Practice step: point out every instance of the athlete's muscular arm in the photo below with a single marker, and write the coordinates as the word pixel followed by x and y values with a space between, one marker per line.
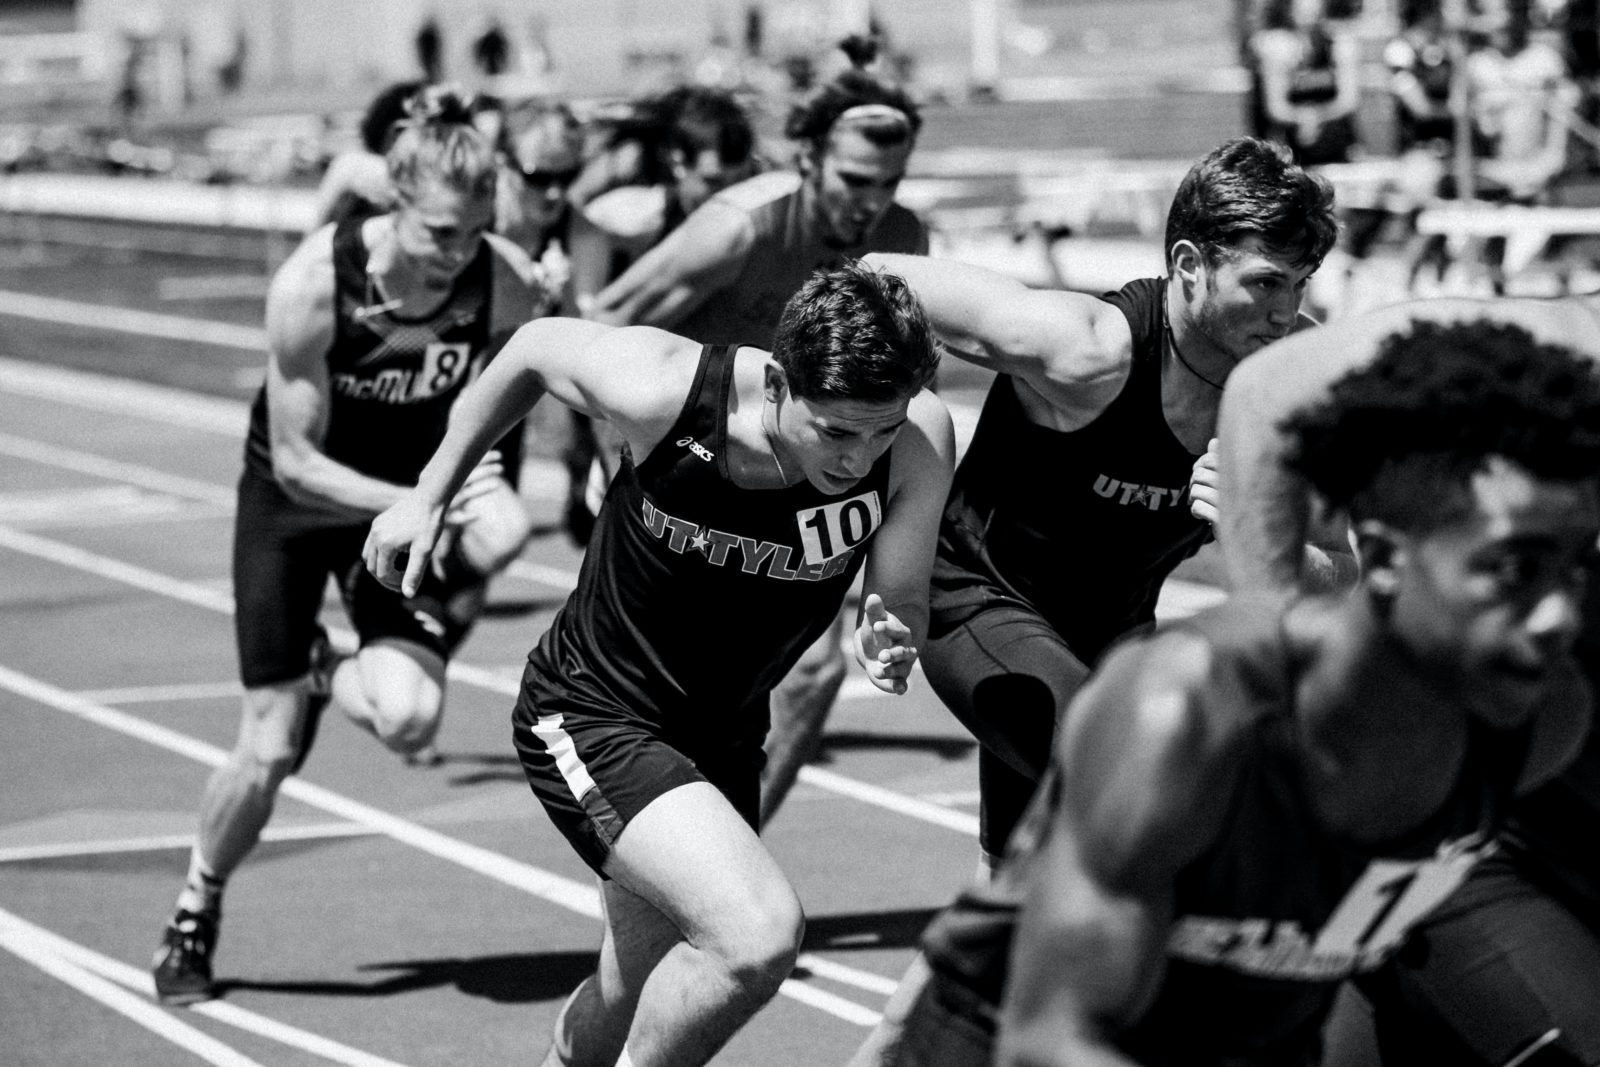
pixel 1072 349
pixel 1263 532
pixel 893 621
pixel 703 255
pixel 300 330
pixel 1140 787
pixel 634 378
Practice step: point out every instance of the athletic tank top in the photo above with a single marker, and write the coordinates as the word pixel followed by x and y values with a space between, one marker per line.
pixel 1083 525
pixel 787 249
pixel 1276 913
pixel 696 596
pixel 391 379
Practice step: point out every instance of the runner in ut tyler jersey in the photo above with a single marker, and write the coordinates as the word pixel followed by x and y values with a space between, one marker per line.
pixel 753 488
pixel 1113 400
pixel 724 276
pixel 1252 805
pixel 1515 955
pixel 374 327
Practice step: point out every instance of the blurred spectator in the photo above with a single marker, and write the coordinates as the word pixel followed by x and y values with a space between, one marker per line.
pixel 1308 70
pixel 491 50
pixel 1523 102
pixel 356 182
pixel 1420 76
pixel 429 42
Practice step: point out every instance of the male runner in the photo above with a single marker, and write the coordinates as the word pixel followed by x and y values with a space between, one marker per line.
pixel 1515 954
pixel 1045 560
pixel 674 152
pixel 1251 805
pixel 724 276
pixel 753 488
pixel 374 327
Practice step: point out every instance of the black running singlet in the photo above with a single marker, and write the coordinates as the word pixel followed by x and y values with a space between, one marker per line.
pixel 1276 913
pixel 391 379
pixel 696 596
pixel 1083 526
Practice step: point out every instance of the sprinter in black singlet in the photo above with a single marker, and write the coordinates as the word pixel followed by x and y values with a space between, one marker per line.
pixel 1044 562
pixel 724 276
pixel 1513 958
pixel 753 488
pixel 1254 804
pixel 374 327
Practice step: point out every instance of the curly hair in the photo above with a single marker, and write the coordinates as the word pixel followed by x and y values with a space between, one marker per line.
pixel 811 122
pixel 1399 438
pixel 438 141
pixel 854 333
pixel 1248 187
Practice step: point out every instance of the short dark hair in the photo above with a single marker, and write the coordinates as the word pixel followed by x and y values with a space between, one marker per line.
pixel 1399 438
pixel 1248 187
pixel 700 118
pixel 386 109
pixel 811 122
pixel 854 333
pixel 437 140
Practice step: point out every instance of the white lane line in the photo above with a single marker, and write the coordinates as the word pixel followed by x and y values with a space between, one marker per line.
pixel 130 320
pixel 885 798
pixel 482 677
pixel 162 694
pixel 164 842
pixel 122 396
pixel 564 892
pixel 116 470
pixel 872 983
pixel 111 970
pixel 21 940
pixel 539 573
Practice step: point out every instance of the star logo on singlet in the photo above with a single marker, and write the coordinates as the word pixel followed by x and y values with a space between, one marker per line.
pixel 700 542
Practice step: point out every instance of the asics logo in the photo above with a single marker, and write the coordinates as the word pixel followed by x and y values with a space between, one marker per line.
pixel 696 447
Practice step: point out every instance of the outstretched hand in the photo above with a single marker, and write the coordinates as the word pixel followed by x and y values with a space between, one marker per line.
pixel 1203 497
pixel 883 646
pixel 401 540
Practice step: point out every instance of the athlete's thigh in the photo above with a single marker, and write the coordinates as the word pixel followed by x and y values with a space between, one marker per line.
pixel 1500 964
pixel 696 860
pixel 1007 675
pixel 281 564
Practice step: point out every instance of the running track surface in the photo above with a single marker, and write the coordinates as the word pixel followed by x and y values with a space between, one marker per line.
pixel 394 915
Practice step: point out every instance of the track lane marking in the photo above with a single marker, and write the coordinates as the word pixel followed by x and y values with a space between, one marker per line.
pixel 546 885
pixel 164 842
pixel 21 940
pixel 90 962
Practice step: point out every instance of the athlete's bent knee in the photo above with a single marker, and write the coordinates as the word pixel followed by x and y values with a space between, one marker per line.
pixel 762 954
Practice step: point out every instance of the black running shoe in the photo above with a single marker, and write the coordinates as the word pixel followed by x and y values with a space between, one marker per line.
pixel 323 660
pixel 182 967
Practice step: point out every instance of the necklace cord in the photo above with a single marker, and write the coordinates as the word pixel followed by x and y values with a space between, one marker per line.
pixel 1172 341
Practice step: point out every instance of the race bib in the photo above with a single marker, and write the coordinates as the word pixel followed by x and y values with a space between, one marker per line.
pixel 836 528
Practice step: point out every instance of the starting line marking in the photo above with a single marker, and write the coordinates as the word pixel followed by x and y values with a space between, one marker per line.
pixel 45 948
